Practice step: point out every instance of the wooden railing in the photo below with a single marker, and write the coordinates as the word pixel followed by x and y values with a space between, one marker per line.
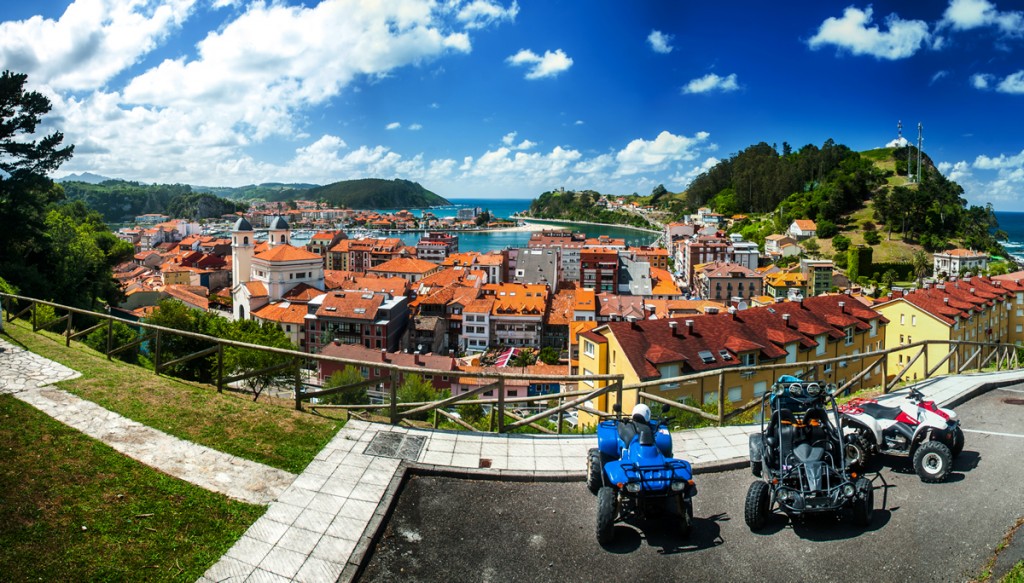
pixel 503 416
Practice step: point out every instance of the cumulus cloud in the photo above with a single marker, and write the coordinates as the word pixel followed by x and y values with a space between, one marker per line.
pixel 660 42
pixel 415 127
pixel 509 140
pixel 712 82
pixel 854 32
pixel 683 179
pixel 937 76
pixel 1000 162
pixel 1012 83
pixel 980 80
pixel 393 125
pixel 482 13
pixel 91 42
pixel 656 155
pixel 539 67
pixel 971 14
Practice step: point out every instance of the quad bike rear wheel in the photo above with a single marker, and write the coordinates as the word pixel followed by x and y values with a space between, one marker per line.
pixel 595 470
pixel 758 505
pixel 857 450
pixel 607 509
pixel 863 502
pixel 933 461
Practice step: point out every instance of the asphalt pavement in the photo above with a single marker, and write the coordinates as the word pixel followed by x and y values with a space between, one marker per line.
pixel 453 529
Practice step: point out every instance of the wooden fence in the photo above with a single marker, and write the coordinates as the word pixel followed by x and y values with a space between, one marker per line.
pixel 503 416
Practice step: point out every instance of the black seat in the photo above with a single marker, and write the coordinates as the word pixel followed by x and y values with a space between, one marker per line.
pixel 817 425
pixel 781 432
pixel 627 431
pixel 646 433
pixel 880 411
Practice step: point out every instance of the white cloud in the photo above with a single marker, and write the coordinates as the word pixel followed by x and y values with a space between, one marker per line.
pixel 1001 162
pixel 656 155
pixel 91 42
pixel 980 80
pixel 415 127
pixel 712 82
pixel 217 4
pixel 549 65
pixel 482 13
pixel 509 140
pixel 393 125
pixel 1012 84
pixel 971 14
pixel 683 179
pixel 578 122
pixel 937 76
pixel 855 33
pixel 660 42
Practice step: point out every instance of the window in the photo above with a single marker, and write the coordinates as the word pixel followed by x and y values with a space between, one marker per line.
pixel 735 394
pixel 849 335
pixel 760 387
pixel 901 339
pixel 669 371
pixel 903 318
pixel 513 393
pixel 828 368
pixel 874 328
pixel 750 359
pixel 913 320
pixel 588 348
pixel 588 373
pixel 820 349
pixel 711 397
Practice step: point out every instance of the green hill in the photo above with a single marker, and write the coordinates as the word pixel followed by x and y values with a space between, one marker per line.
pixel 375 193
pixel 121 200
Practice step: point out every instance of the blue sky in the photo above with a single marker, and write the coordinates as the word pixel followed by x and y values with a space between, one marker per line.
pixel 506 99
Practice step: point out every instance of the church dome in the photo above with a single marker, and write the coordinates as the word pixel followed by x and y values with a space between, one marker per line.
pixel 279 224
pixel 241 225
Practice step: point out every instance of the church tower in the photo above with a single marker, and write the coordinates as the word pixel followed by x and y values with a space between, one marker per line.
pixel 279 232
pixel 242 245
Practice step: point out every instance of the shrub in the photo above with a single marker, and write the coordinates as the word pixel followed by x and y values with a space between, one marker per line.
pixel 121 335
pixel 872 237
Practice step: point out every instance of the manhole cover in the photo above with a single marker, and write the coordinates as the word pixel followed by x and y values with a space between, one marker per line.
pixel 1014 401
pixel 395 445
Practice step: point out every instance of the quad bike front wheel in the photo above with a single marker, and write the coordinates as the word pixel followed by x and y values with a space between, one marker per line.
pixel 595 470
pixel 864 502
pixel 958 441
pixel 680 512
pixel 607 509
pixel 758 505
pixel 933 461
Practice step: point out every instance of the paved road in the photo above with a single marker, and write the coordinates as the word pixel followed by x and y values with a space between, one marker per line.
pixel 463 530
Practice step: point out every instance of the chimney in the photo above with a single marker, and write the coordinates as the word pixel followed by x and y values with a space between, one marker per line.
pixel 689 327
pixel 383 355
pixel 673 326
pixel 785 320
pixel 972 290
pixel 337 341
pixel 416 357
pixel 945 301
pixel 802 306
pixel 842 307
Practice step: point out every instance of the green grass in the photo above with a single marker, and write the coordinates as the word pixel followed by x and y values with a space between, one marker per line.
pixel 73 509
pixel 259 431
pixel 1016 574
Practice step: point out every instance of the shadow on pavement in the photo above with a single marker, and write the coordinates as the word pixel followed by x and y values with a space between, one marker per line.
pixel 704 534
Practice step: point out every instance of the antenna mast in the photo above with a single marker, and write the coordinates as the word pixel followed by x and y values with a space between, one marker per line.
pixel 920 141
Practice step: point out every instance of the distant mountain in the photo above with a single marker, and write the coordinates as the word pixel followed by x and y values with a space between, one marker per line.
pixel 87 177
pixel 375 193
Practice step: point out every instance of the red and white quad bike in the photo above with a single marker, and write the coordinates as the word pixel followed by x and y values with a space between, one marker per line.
pixel 918 429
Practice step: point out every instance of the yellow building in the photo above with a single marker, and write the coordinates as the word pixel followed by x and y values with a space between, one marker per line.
pixel 975 309
pixel 799 333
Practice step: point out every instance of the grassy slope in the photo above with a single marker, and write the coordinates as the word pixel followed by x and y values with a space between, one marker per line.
pixel 270 434
pixel 73 509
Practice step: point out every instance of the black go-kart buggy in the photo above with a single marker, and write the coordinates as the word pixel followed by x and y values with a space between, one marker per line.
pixel 799 456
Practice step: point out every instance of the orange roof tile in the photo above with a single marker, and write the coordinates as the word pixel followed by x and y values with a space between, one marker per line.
pixel 282 253
pixel 282 313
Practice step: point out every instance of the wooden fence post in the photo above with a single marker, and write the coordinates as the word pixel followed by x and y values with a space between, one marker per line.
pixel 156 354
pixel 110 337
pixel 220 368
pixel 393 390
pixel 67 329
pixel 721 399
pixel 501 405
pixel 298 385
pixel 34 317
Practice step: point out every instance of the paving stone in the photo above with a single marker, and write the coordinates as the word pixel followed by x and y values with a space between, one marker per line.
pixel 319 570
pixel 283 562
pixel 334 549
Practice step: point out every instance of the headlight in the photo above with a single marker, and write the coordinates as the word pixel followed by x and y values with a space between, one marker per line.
pixel 848 490
pixel 633 487
pixel 795 388
pixel 678 486
pixel 813 389
pixel 777 389
pixel 831 388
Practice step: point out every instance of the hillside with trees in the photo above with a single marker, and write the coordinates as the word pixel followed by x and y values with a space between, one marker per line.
pixel 121 201
pixel 832 183
pixel 581 206
pixel 373 193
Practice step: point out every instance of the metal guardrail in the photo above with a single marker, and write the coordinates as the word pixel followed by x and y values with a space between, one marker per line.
pixel 964 354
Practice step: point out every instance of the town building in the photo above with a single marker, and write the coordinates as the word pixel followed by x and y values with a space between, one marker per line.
pixel 959 261
pixel 436 247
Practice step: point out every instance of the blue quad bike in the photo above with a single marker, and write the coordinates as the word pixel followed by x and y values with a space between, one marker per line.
pixel 800 456
pixel 633 473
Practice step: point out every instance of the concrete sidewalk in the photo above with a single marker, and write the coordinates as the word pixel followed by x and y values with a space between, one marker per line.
pixel 323 525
